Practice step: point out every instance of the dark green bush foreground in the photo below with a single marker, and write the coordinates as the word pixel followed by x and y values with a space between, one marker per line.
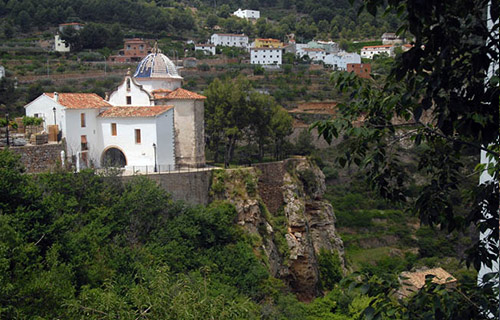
pixel 83 246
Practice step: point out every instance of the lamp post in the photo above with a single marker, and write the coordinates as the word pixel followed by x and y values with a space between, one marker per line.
pixel 154 148
pixel 54 110
pixel 7 117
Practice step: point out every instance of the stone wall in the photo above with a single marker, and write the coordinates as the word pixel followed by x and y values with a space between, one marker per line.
pixel 191 187
pixel 40 158
pixel 270 184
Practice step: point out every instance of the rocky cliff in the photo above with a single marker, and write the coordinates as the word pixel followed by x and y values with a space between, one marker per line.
pixel 279 204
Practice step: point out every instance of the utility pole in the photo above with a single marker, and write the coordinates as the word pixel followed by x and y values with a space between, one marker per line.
pixel 7 117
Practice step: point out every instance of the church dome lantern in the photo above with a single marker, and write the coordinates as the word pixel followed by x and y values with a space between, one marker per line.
pixel 157 71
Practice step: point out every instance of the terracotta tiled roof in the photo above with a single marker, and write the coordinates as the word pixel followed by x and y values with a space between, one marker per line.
pixel 180 93
pixel 313 49
pixel 134 112
pixel 80 100
pixel 71 24
pixel 161 91
pixel 380 46
pixel 231 34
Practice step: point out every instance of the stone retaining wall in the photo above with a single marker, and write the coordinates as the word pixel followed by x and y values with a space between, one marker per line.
pixel 40 158
pixel 191 187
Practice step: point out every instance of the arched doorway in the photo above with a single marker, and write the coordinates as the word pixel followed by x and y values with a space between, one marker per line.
pixel 113 157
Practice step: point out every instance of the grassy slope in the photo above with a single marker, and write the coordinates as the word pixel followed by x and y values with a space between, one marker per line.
pixel 383 239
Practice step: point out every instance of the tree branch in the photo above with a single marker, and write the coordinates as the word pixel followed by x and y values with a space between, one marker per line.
pixel 143 312
pixel 434 131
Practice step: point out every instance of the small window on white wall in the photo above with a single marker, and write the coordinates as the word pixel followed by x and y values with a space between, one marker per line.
pixel 138 136
pixel 129 100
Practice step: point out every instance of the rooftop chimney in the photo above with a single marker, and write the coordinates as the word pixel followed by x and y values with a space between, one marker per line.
pixel 56 96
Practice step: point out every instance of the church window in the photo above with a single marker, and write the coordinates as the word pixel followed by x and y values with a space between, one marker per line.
pixel 82 120
pixel 129 100
pixel 138 136
pixel 84 144
pixel 113 129
pixel 128 84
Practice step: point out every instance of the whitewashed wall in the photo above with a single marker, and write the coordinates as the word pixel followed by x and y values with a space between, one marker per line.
pixel 138 95
pixel 136 154
pixel 151 84
pixel 43 106
pixel 229 40
pixel 266 56
pixel 75 131
pixel 165 139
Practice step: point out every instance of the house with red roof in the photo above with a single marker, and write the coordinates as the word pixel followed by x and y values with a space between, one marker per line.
pixel 369 51
pixel 148 123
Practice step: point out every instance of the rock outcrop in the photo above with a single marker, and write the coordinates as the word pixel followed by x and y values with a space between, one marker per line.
pixel 298 224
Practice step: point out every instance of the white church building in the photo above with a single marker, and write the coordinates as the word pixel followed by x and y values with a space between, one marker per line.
pixel 147 123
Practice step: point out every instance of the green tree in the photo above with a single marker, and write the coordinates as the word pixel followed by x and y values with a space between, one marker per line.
pixel 441 92
pixel 115 39
pixel 94 36
pixel 72 37
pixel 281 128
pixel 212 20
pixel 8 31
pixel 24 21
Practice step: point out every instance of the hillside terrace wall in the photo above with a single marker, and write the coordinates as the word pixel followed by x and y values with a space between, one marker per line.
pixel 271 183
pixel 40 158
pixel 191 187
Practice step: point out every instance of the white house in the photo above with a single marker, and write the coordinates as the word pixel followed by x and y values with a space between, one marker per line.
pixel 369 51
pixel 59 44
pixel 247 14
pixel 207 48
pixel 2 72
pixel 315 54
pixel 391 38
pixel 148 122
pixel 340 60
pixel 229 40
pixel 266 56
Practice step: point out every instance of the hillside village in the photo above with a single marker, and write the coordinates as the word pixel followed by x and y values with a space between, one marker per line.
pixel 242 160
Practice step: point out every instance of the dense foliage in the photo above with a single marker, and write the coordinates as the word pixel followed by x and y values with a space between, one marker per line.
pixel 88 246
pixel 439 97
pixel 94 247
pixel 234 112
pixel 306 19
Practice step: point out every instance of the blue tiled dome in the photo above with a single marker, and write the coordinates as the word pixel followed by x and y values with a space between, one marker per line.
pixel 156 65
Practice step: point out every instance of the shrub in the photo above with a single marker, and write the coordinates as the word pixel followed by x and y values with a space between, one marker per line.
pixel 330 268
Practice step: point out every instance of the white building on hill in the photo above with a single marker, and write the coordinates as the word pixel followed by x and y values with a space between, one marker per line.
pixel 207 48
pixel 229 40
pixel 266 56
pixel 247 14
pixel 2 72
pixel 391 38
pixel 59 44
pixel 369 51
pixel 340 60
pixel 148 122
